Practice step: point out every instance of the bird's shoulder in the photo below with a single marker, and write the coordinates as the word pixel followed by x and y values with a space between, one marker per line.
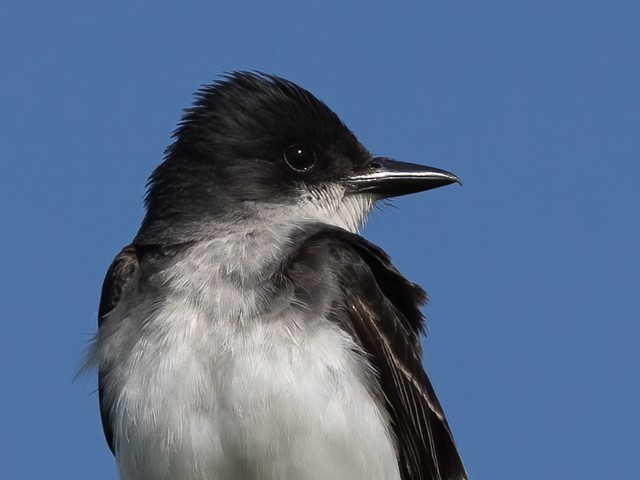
pixel 122 269
pixel 362 267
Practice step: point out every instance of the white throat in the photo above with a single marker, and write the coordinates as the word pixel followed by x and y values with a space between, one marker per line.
pixel 247 246
pixel 332 205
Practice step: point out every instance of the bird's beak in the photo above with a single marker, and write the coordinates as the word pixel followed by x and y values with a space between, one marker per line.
pixel 391 178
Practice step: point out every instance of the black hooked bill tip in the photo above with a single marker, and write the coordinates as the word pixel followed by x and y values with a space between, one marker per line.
pixel 391 178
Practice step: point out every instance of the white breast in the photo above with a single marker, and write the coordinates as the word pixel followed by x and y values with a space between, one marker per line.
pixel 205 387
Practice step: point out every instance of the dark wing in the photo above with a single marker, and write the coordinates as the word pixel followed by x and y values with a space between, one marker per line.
pixel 122 269
pixel 384 311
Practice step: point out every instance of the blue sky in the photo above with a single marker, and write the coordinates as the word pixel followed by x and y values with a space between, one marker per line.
pixel 532 267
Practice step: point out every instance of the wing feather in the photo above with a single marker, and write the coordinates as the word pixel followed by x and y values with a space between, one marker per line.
pixel 383 310
pixel 122 269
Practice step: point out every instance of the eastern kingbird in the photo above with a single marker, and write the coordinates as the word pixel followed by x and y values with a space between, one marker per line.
pixel 248 332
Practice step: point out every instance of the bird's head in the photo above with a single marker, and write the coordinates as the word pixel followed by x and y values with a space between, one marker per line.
pixel 255 146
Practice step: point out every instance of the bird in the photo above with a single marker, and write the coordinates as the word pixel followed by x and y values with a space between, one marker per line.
pixel 249 331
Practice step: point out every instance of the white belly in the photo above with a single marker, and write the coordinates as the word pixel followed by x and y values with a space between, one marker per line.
pixel 269 399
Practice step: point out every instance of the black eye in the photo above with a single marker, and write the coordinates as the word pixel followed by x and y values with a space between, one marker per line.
pixel 299 157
